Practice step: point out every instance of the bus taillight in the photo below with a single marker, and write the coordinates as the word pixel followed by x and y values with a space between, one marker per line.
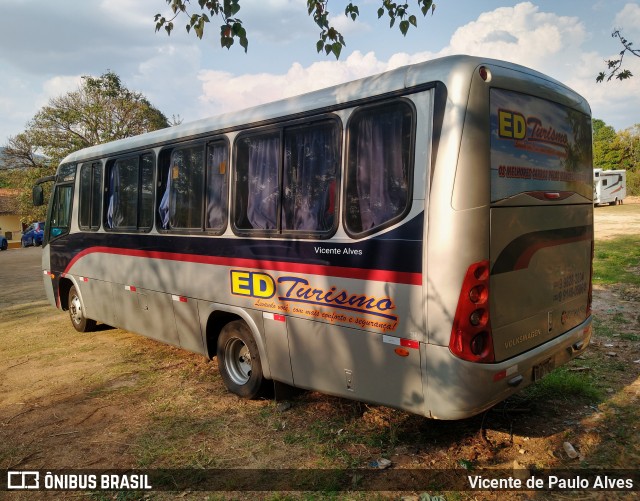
pixel 471 333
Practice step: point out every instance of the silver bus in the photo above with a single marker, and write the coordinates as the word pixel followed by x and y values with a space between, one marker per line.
pixel 420 239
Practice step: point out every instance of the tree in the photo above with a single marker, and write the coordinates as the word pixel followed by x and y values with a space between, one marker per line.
pixel 101 110
pixel 618 150
pixel 330 40
pixel 614 66
pixel 606 153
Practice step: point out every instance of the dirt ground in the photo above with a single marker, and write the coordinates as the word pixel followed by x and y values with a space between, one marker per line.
pixel 618 220
pixel 110 400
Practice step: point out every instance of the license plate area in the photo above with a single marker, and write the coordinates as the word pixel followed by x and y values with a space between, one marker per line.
pixel 542 369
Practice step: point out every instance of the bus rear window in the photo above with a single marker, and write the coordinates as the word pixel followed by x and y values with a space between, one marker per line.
pixel 538 146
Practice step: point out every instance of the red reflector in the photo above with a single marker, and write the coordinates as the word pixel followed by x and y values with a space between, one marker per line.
pixel 279 318
pixel 500 375
pixel 471 330
pixel 408 343
pixel 130 288
pixel 402 352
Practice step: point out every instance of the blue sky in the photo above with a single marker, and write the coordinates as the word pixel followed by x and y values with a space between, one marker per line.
pixel 45 47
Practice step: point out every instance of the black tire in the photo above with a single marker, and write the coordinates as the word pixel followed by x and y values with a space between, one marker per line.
pixel 239 360
pixel 76 313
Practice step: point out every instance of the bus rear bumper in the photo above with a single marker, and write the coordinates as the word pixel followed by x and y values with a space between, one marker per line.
pixel 457 389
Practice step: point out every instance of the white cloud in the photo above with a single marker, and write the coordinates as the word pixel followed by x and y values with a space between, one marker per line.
pixel 522 34
pixel 59 85
pixel 347 26
pixel 223 92
pixel 628 20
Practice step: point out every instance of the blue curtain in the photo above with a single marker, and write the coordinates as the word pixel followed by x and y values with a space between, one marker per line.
pixel 163 208
pixel 381 174
pixel 217 186
pixel 310 166
pixel 262 178
pixel 114 189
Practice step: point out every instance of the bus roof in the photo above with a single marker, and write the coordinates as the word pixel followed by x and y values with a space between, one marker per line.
pixel 453 71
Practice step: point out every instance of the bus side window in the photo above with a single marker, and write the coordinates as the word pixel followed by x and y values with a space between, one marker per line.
pixel 129 193
pixel 257 182
pixel 185 181
pixel 61 210
pixel 217 158
pixel 379 167
pixel 90 196
pixel 310 173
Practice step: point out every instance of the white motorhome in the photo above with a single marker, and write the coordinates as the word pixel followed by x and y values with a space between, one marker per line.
pixel 609 186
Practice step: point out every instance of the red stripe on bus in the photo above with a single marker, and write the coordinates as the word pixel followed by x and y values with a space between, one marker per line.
pixel 400 277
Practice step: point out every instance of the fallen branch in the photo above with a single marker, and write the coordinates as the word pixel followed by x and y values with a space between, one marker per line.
pixel 16 365
pixel 19 414
pixel 64 433
pixel 91 414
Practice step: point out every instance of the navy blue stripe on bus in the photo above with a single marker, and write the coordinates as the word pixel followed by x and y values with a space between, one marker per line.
pixel 373 259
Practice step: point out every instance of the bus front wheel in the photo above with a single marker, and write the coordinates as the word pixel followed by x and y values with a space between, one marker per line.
pixel 239 360
pixel 76 312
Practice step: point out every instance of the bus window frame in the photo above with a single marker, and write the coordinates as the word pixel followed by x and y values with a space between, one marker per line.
pixel 280 128
pixel 107 167
pixel 410 166
pixel 91 165
pixel 48 237
pixel 161 185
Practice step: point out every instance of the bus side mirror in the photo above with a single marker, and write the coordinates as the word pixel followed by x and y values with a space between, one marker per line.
pixel 37 195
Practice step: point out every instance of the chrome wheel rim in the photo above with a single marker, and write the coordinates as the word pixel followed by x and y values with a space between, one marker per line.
pixel 75 308
pixel 237 361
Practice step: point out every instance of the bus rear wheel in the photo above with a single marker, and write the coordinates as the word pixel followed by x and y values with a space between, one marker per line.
pixel 239 360
pixel 76 312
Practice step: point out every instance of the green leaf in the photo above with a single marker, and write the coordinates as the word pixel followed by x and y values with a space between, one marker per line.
pixel 380 12
pixel 624 74
pixel 244 43
pixel 319 45
pixel 413 20
pixel 336 48
pixel 404 27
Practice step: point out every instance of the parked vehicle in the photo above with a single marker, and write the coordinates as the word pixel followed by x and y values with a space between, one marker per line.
pixel 33 235
pixel 417 239
pixel 609 186
pixel 3 243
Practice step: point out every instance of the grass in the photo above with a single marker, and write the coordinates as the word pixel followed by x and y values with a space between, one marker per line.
pixel 563 384
pixel 617 261
pixel 168 409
